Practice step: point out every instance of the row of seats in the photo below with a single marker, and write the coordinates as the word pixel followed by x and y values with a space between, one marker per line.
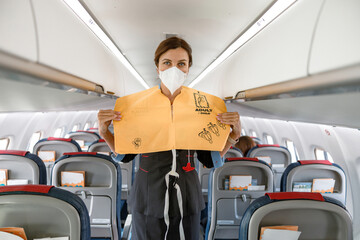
pixel 101 194
pixel 232 206
pixel 227 210
pixel 280 159
pixel 70 216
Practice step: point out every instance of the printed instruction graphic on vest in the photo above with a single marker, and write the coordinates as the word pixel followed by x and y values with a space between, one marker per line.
pixel 220 124
pixel 206 135
pixel 213 129
pixel 137 142
pixel 202 104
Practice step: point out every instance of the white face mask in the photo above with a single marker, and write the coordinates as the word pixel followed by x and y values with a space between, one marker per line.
pixel 173 78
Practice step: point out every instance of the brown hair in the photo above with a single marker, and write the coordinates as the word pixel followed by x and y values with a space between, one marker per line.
pixel 245 143
pixel 172 43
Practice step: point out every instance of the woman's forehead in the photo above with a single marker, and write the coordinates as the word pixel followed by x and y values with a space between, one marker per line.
pixel 175 54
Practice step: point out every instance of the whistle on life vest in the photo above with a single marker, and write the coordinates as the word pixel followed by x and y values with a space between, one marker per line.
pixel 188 167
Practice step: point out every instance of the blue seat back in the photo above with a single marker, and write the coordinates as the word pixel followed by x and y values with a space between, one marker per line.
pixel 307 170
pixel 311 212
pixel 226 207
pixel 44 211
pixel 102 190
pixel 23 165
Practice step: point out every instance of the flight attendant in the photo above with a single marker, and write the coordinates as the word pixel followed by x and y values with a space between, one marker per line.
pixel 178 217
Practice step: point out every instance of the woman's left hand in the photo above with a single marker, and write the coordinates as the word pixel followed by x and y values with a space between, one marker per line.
pixel 232 119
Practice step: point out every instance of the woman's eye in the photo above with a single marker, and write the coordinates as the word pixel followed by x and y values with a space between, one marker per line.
pixel 166 63
pixel 182 64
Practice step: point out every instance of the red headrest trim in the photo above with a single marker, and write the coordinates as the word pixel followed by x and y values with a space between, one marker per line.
pixel 26 188
pixel 295 195
pixel 268 145
pixel 304 162
pixel 85 131
pixel 14 152
pixel 93 128
pixel 101 140
pixel 79 153
pixel 59 139
pixel 243 159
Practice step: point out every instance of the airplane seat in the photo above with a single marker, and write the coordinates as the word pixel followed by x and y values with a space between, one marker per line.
pixel 204 174
pixel 99 146
pixel 84 138
pixel 317 217
pixel 100 189
pixel 307 170
pixel 56 147
pixel 226 206
pixel 278 156
pixel 44 211
pixel 23 165
pixel 233 152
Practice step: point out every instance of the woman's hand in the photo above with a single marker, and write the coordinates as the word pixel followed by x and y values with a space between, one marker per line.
pixel 105 117
pixel 232 119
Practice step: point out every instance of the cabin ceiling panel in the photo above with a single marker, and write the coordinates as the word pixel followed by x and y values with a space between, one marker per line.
pixel 67 44
pixel 137 27
pixel 17 29
pixel 337 36
pixel 280 52
pixel 335 109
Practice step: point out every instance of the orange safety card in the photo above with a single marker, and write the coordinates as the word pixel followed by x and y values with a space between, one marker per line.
pixel 150 124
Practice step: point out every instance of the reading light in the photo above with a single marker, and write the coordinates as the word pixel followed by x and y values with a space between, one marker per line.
pixel 279 7
pixel 80 11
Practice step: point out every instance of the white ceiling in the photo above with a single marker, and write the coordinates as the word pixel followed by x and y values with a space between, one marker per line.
pixel 137 27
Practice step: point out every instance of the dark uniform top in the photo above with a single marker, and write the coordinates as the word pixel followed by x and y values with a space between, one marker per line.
pixel 147 195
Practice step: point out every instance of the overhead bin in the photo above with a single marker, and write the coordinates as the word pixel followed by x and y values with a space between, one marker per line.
pixel 337 36
pixel 67 44
pixel 17 29
pixel 278 53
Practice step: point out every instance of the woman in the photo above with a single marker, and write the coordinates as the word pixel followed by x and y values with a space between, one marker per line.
pixel 146 199
pixel 245 143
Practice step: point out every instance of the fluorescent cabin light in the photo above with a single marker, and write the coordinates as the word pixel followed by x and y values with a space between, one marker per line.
pixel 279 7
pixel 80 11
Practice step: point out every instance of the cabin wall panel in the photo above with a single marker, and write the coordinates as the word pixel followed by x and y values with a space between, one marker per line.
pixel 21 126
pixel 67 44
pixel 348 139
pixel 265 127
pixel 337 36
pixel 278 53
pixel 250 124
pixel 17 29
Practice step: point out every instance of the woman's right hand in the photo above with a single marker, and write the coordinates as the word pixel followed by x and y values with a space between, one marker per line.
pixel 105 117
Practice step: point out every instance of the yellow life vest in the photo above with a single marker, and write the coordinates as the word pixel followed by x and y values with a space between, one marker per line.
pixel 151 124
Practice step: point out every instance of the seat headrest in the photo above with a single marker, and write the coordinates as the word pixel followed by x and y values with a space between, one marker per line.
pixel 59 139
pixel 304 162
pixel 268 145
pixel 14 152
pixel 79 153
pixel 295 195
pixel 241 159
pixel 26 188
